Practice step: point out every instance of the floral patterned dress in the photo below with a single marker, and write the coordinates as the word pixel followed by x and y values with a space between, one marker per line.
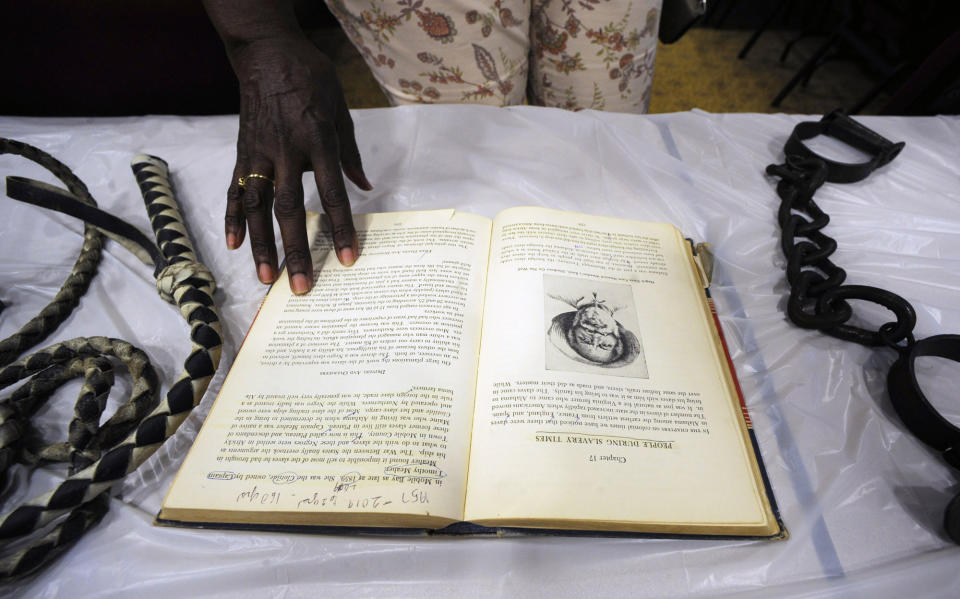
pixel 573 54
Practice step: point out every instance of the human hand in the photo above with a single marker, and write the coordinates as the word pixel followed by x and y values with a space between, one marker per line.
pixel 293 119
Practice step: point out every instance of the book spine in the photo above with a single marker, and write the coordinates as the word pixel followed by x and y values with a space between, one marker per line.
pixel 745 413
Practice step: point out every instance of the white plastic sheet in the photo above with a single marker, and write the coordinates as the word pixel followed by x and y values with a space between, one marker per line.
pixel 861 498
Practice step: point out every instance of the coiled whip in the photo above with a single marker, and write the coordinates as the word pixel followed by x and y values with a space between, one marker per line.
pixel 99 455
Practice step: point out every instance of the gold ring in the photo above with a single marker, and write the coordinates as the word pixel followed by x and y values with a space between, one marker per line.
pixel 243 180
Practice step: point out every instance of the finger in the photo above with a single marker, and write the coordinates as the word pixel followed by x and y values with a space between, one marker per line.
pixel 333 197
pixel 349 153
pixel 257 200
pixel 292 218
pixel 234 222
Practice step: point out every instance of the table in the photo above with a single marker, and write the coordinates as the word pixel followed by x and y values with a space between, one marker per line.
pixel 862 498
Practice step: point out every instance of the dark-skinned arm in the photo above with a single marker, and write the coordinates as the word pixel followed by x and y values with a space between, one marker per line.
pixel 293 119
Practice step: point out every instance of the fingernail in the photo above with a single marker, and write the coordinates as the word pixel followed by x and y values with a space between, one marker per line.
pixel 346 256
pixel 359 177
pixel 265 273
pixel 232 241
pixel 299 283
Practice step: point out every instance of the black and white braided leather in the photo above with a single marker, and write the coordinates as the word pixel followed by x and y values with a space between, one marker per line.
pixel 80 501
pixel 84 268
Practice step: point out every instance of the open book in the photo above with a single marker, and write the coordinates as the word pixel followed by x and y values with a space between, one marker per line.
pixel 544 370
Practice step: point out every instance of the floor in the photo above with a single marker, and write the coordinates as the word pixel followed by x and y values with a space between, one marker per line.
pixel 702 71
pixel 699 71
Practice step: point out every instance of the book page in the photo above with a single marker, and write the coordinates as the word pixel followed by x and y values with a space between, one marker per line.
pixel 602 398
pixel 356 398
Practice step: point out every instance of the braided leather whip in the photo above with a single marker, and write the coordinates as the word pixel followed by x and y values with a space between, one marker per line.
pixel 76 284
pixel 100 455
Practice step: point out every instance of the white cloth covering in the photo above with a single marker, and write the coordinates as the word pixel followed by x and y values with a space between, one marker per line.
pixel 862 499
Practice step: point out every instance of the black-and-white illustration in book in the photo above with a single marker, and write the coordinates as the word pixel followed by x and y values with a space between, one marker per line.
pixel 592 327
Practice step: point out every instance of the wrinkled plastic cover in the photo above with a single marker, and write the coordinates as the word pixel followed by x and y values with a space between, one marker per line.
pixel 862 499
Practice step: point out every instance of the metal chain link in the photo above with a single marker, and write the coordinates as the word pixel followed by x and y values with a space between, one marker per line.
pixel 818 298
